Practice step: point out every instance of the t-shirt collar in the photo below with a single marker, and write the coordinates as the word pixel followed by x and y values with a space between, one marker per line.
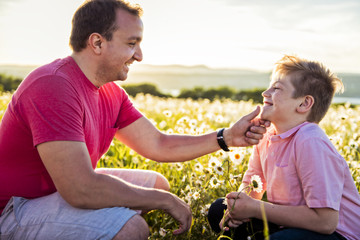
pixel 286 134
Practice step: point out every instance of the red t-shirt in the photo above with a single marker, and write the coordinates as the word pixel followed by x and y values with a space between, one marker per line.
pixel 56 102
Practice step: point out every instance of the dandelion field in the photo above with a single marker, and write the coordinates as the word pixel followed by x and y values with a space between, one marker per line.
pixel 201 181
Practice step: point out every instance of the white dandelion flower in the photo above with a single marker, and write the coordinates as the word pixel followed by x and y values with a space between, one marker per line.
pixel 198 183
pixel 232 181
pixel 358 179
pixel 213 162
pixel 179 166
pixel 167 113
pixel 198 167
pixel 162 232
pixel 193 123
pixel 205 210
pixel 256 183
pixel 196 195
pixel 236 156
pixel 219 170
pixel 214 182
pixel 170 131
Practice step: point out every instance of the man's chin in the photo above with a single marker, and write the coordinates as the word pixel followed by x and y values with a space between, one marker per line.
pixel 122 77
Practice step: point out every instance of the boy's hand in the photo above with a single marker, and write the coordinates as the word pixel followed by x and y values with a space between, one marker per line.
pixel 245 207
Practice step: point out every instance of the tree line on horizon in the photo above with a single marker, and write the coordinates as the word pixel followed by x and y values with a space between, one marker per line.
pixel 10 83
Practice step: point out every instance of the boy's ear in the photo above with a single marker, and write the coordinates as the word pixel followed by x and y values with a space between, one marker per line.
pixel 95 40
pixel 306 104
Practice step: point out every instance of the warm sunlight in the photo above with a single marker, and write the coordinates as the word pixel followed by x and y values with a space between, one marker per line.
pixel 219 34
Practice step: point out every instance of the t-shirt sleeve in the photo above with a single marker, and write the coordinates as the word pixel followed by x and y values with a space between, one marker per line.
pixel 52 111
pixel 128 113
pixel 321 172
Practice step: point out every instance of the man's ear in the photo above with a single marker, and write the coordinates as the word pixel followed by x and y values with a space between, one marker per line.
pixel 306 104
pixel 95 41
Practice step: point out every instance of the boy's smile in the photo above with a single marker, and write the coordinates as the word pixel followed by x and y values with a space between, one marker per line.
pixel 279 105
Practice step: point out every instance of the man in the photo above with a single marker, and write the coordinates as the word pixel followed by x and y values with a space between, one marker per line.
pixel 62 119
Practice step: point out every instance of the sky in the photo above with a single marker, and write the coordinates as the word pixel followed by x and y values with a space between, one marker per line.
pixel 216 33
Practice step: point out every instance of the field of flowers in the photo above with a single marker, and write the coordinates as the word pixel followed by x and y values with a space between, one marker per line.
pixel 204 179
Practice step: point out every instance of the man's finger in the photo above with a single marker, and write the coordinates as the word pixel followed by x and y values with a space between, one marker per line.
pixel 257 129
pixel 253 114
pixel 183 227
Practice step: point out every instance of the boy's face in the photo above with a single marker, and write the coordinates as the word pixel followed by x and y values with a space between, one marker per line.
pixel 279 105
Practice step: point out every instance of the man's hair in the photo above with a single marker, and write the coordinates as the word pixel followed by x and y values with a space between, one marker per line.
pixel 310 78
pixel 97 16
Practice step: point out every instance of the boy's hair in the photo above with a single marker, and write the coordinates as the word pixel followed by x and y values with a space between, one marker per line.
pixel 310 78
pixel 97 16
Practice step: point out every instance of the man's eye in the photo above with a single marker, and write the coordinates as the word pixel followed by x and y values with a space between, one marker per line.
pixel 132 44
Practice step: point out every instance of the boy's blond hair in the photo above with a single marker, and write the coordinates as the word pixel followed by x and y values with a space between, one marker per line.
pixel 310 78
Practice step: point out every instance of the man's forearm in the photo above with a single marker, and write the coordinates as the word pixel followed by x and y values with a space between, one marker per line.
pixel 108 191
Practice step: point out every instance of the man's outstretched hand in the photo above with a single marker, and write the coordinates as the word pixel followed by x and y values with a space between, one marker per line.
pixel 247 131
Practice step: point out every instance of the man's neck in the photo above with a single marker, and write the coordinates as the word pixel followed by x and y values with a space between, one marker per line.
pixel 86 66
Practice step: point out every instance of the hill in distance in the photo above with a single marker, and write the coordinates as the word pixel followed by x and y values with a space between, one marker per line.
pixel 173 78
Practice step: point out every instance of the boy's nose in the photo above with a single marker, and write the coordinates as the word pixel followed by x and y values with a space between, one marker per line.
pixel 265 93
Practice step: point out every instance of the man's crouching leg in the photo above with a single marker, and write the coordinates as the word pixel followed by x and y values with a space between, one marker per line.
pixel 136 228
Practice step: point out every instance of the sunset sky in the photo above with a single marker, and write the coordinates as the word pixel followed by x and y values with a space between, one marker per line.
pixel 217 33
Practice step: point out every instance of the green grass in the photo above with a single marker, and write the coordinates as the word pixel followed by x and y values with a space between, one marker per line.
pixel 196 182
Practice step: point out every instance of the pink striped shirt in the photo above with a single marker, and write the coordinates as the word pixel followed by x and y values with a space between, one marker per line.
pixel 302 167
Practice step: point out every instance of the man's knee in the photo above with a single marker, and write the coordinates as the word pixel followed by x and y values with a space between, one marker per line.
pixel 136 228
pixel 161 183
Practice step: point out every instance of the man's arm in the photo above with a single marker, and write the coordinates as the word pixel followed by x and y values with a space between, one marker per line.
pixel 148 141
pixel 69 166
pixel 321 220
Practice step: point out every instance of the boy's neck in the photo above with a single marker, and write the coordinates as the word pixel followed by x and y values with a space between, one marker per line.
pixel 286 126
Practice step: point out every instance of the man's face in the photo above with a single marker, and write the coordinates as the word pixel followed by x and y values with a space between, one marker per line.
pixel 123 49
pixel 279 105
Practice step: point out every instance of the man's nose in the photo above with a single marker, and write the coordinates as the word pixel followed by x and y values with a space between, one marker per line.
pixel 138 56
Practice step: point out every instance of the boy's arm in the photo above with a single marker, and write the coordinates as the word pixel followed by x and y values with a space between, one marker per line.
pixel 321 220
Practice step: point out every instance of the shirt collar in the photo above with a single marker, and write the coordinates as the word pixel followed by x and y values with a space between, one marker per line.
pixel 286 134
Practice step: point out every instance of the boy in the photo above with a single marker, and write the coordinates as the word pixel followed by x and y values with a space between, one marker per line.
pixel 310 190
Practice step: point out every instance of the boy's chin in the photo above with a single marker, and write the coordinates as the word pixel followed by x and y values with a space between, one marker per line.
pixel 264 116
